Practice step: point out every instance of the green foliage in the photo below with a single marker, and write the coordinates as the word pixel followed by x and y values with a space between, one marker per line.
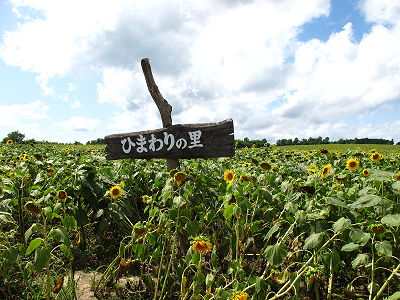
pixel 273 233
pixel 14 136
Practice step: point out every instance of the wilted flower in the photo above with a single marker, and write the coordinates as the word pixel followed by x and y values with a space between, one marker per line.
pixel 239 296
pixel 201 245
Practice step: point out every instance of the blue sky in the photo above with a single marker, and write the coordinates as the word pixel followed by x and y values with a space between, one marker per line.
pixel 70 70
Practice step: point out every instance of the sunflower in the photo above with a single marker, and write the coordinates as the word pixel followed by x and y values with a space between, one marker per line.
pixel 265 165
pixel 115 192
pixel 324 151
pixel 397 177
pixel 31 206
pixel 11 174
pixel 229 176
pixel 9 142
pixel 66 149
pixel 239 296
pixel 365 172
pixel 312 169
pixel 201 245
pixel 352 164
pixel 373 150
pixel 179 176
pixel 245 165
pixel 266 144
pixel 173 172
pixel 50 171
pixel 376 157
pixel 54 147
pixel 326 170
pixel 58 284
pixel 62 195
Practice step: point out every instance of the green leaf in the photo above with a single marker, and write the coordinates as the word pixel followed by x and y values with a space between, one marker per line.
pixel 359 237
pixel 396 185
pixel 379 175
pixel 312 241
pixel 42 256
pixel 335 201
pixel 361 260
pixel 391 220
pixel 332 259
pixel 341 224
pixel 57 207
pixel 395 296
pixel 228 212
pixel 273 229
pixel 366 201
pixel 61 235
pixel 122 246
pixel 178 202
pixel 276 254
pixel 193 228
pixel 66 252
pixel 70 222
pixel 314 216
pixel 10 254
pixel 139 250
pixel 350 247
pixel 81 217
pixel 33 245
pixel 384 248
pixel 300 217
pixel 209 280
pixel 31 230
pixel 260 282
pixel 48 212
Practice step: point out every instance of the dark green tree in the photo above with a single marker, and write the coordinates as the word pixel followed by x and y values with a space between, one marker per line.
pixel 15 136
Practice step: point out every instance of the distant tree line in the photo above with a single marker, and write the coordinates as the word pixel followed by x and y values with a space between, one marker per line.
pixel 99 141
pixel 319 140
pixel 249 143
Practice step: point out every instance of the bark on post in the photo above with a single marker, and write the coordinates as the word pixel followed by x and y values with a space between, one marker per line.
pixel 163 106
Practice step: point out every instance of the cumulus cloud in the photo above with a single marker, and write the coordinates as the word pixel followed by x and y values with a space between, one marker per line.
pixel 76 104
pixel 79 124
pixel 10 115
pixel 214 60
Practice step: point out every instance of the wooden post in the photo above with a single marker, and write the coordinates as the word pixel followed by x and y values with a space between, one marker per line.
pixel 163 106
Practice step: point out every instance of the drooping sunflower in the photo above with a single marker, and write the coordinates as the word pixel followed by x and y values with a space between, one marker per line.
pixel 179 176
pixel 239 296
pixel 9 142
pixel 32 207
pixel 173 172
pixel 312 169
pixel 326 170
pixel 265 165
pixel 229 176
pixel 376 157
pixel 201 245
pixel 115 192
pixel 397 176
pixel 62 195
pixel 365 172
pixel 352 164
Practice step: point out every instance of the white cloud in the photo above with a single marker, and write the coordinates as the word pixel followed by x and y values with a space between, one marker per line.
pixel 12 114
pixel 79 124
pixel 215 59
pixel 76 104
pixel 72 87
pixel 381 11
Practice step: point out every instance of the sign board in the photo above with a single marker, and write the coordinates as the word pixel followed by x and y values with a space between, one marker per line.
pixel 203 140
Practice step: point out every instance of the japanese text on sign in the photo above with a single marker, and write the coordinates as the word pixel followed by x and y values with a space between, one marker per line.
pixel 156 144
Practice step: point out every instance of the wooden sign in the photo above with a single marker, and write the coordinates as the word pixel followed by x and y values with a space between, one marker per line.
pixel 203 140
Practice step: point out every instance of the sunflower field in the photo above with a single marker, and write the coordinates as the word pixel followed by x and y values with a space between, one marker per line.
pixel 268 223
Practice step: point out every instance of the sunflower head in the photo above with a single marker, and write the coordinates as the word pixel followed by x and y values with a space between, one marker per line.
pixel 352 164
pixel 201 245
pixel 31 206
pixel 179 176
pixel 173 172
pixel 376 156
pixel 62 195
pixel 397 176
pixel 239 296
pixel 245 165
pixel 115 192
pixel 50 171
pixel 326 170
pixel 9 142
pixel 229 176
pixel 312 169
pixel 365 172
pixel 324 151
pixel 54 147
pixel 265 165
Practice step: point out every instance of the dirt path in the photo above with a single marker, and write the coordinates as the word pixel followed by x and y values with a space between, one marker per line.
pixel 83 290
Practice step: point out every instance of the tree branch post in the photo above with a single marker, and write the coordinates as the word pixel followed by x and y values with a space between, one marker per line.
pixel 163 106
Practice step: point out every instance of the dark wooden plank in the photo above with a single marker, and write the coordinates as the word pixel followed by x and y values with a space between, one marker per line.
pixel 203 140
